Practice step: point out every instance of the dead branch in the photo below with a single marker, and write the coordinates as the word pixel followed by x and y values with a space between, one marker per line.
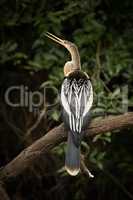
pixel 57 135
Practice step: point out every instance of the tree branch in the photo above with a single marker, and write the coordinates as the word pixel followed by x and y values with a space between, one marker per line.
pixel 57 135
pixel 3 193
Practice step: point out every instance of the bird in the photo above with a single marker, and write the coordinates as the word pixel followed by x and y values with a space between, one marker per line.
pixel 76 99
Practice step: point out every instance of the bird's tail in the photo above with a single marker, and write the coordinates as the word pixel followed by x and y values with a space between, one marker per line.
pixel 72 162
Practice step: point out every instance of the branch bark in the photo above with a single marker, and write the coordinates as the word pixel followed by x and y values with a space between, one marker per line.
pixel 3 193
pixel 57 135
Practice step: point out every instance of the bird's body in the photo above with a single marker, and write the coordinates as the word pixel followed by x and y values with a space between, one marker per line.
pixel 76 100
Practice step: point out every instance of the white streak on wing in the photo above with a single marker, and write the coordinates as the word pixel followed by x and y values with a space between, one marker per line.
pixel 80 124
pixel 70 93
pixel 76 104
pixel 73 123
pixel 79 99
pixel 75 98
pixel 85 95
pixel 80 94
pixel 70 121
pixel 77 124
pixel 89 101
pixel 77 107
pixel 64 101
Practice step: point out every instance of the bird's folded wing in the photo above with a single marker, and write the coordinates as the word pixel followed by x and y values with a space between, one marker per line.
pixel 77 99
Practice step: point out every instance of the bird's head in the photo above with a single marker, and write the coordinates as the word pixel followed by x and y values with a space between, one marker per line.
pixel 74 64
pixel 68 45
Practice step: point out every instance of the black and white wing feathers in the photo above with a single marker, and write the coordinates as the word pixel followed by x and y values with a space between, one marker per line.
pixel 77 99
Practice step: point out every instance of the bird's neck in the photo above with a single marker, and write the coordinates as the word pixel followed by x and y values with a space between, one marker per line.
pixel 75 58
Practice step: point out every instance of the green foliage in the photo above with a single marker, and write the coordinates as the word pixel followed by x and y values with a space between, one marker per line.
pixel 103 32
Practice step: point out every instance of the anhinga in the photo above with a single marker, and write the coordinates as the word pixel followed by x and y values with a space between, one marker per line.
pixel 76 100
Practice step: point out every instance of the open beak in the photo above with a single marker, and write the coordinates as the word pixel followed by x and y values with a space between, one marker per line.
pixel 54 38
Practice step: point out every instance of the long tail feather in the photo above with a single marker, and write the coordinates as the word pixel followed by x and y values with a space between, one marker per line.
pixel 72 162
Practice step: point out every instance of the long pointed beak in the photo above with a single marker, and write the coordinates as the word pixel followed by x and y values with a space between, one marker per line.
pixel 55 38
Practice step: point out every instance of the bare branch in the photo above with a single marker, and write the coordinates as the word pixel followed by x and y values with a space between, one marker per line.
pixel 84 168
pixel 3 193
pixel 57 135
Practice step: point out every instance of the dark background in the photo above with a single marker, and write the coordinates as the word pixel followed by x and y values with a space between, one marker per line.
pixel 103 31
